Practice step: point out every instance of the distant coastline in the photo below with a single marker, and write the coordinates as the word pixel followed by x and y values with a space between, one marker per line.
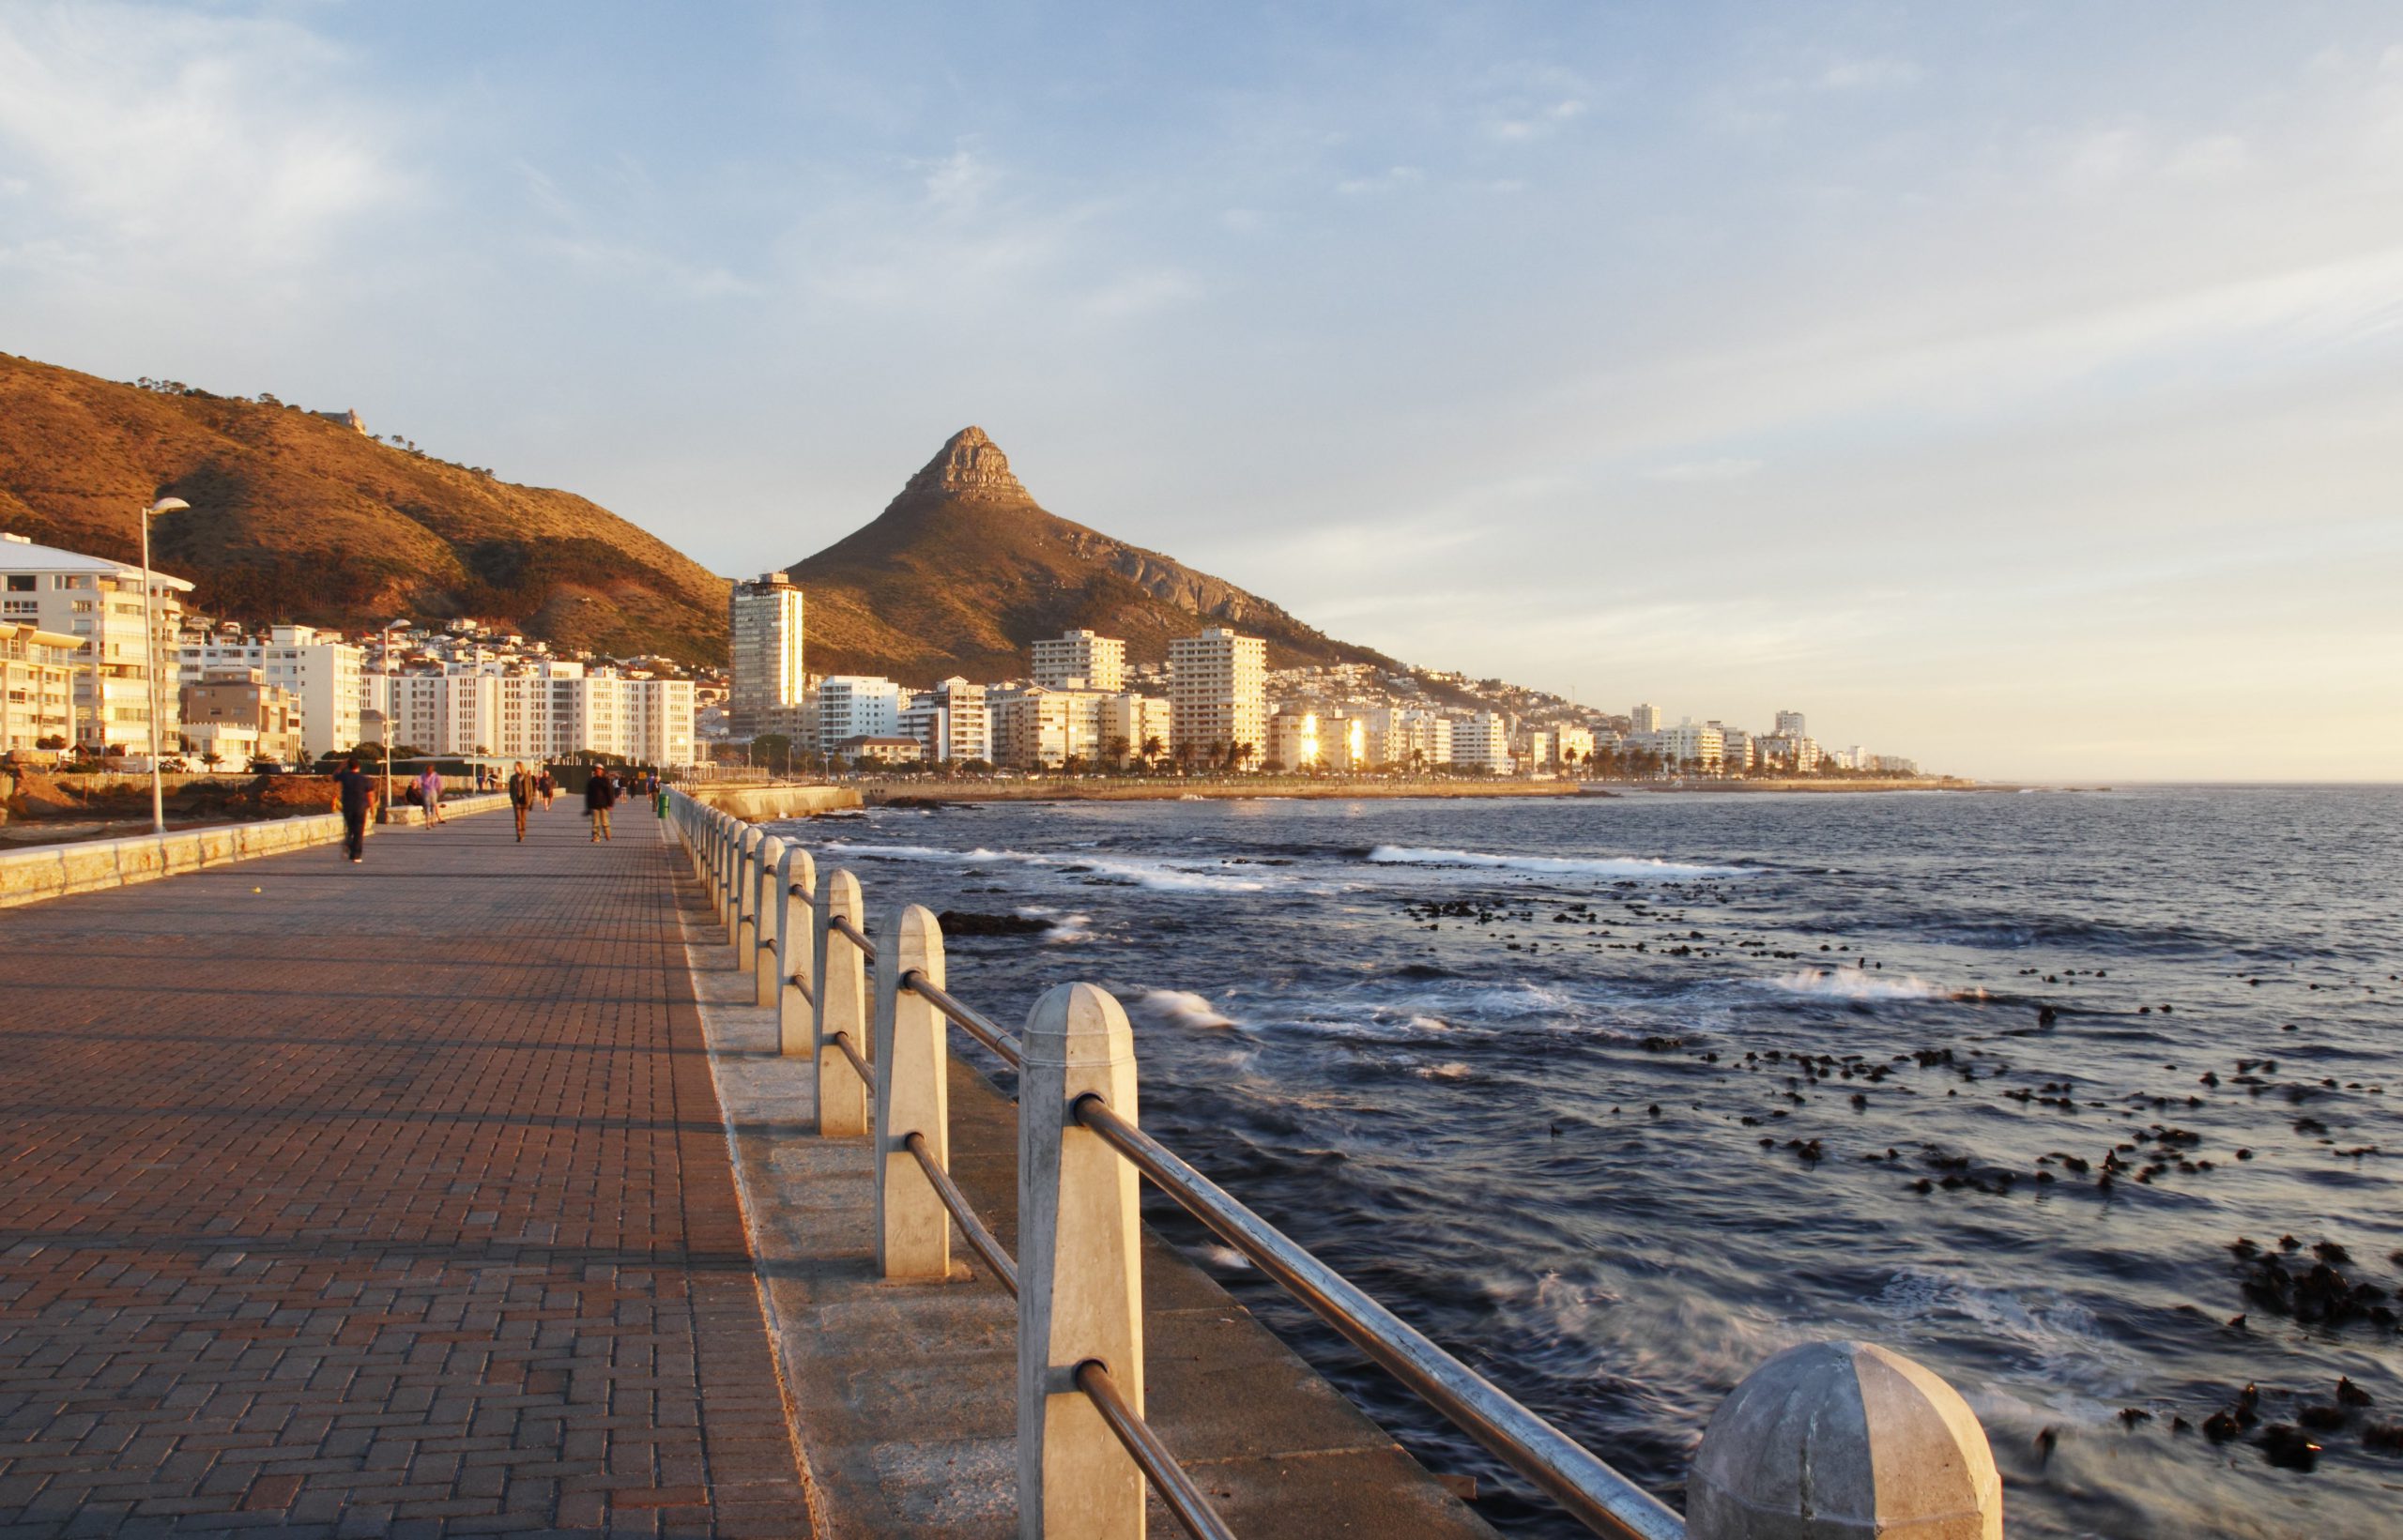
pixel 1322 788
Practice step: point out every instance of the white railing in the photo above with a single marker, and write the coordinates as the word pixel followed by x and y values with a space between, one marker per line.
pixel 1830 1439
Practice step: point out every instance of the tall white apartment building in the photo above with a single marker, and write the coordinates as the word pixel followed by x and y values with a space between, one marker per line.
pixel 1080 660
pixel 100 601
pixel 1034 728
pixel 658 722
pixel 1739 750
pixel 856 706
pixel 1644 719
pixel 768 685
pixel 317 669
pixel 1482 741
pixel 949 722
pixel 1217 690
pixel 1302 741
pixel 1790 725
pixel 1536 748
pixel 1409 739
pixel 1574 746
pixel 440 713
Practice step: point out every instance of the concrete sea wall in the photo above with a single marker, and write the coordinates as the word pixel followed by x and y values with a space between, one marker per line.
pixel 759 803
pixel 38 872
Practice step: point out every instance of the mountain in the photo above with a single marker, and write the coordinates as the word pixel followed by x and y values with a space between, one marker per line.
pixel 963 571
pixel 300 517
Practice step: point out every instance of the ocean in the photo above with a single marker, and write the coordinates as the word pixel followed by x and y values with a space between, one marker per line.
pixel 2064 1094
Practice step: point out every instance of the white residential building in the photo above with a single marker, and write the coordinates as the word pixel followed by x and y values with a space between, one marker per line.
pixel 1644 719
pixel 1790 725
pixel 1080 660
pixel 764 619
pixel 1575 746
pixel 1409 740
pixel 36 686
pixel 951 722
pixel 1690 743
pixel 856 706
pixel 99 603
pixel 1482 741
pixel 318 669
pixel 543 713
pixel 1217 690
pixel 1136 719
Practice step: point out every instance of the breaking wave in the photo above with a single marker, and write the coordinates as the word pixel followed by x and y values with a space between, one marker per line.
pixel 1181 1008
pixel 1851 984
pixel 1625 866
pixel 1159 875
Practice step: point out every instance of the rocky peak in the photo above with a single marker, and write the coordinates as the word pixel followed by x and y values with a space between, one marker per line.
pixel 969 464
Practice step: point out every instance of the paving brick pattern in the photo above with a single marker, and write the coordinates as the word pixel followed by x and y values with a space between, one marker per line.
pixel 378 1199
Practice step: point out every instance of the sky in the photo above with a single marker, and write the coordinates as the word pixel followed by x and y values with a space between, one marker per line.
pixel 2018 386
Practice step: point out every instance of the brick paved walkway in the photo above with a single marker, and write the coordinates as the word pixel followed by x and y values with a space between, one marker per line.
pixel 385 1200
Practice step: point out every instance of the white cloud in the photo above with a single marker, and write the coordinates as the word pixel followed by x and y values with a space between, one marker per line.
pixel 1392 179
pixel 1704 470
pixel 193 138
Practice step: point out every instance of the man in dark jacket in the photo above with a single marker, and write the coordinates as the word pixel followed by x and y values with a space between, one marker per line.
pixel 600 796
pixel 354 794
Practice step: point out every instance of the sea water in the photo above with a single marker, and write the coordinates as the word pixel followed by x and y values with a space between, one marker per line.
pixel 1614 1097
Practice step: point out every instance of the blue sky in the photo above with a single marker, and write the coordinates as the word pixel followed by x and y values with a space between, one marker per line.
pixel 2019 385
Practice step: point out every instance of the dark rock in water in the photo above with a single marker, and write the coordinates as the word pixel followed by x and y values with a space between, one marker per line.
pixel 2219 1428
pixel 2387 1438
pixel 927 804
pixel 2288 1448
pixel 2132 1416
pixel 2350 1394
pixel 2321 1419
pixel 967 922
pixel 1662 1044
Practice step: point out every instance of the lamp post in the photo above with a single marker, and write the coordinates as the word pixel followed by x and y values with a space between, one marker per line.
pixel 150 658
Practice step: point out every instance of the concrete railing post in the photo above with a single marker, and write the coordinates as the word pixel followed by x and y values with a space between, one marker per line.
pixel 765 908
pixel 739 920
pixel 912 1096
pixel 1080 1282
pixel 796 886
pixel 1833 1440
pixel 842 1008
pixel 718 835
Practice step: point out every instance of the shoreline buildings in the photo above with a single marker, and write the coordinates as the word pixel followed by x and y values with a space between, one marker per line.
pixel 100 603
pixel 1218 693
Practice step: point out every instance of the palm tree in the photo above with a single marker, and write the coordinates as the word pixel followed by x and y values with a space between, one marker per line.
pixel 1153 748
pixel 1117 749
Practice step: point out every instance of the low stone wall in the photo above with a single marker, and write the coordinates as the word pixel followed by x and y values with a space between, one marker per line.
pixel 757 804
pixel 38 872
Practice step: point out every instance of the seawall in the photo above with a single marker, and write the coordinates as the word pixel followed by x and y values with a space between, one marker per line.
pixel 759 803
pixel 35 872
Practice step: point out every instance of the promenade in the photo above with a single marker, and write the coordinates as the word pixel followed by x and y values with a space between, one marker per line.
pixel 379 1199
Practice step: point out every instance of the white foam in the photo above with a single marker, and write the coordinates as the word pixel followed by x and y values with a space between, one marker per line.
pixel 1454 1071
pixel 1852 983
pixel 1156 875
pixel 1181 1008
pixel 1620 866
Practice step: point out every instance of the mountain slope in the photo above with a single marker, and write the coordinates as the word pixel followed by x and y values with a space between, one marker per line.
pixel 963 571
pixel 298 518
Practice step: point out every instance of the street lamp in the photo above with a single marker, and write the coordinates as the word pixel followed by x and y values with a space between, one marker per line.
pixel 150 658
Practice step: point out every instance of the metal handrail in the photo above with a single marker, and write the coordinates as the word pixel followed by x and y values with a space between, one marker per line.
pixel 796 891
pixel 1159 1467
pixel 972 1021
pixel 1598 1496
pixel 800 982
pixel 841 923
pixel 980 1240
pixel 867 1072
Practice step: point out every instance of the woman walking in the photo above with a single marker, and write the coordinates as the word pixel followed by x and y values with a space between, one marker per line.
pixel 429 786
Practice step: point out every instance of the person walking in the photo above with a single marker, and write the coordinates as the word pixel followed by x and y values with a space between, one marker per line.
pixel 354 793
pixel 600 796
pixel 429 786
pixel 550 786
pixel 520 796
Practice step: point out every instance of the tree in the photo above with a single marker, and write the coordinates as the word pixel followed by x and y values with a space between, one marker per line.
pixel 1244 753
pixel 1153 748
pixel 771 749
pixel 1116 749
pixel 211 758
